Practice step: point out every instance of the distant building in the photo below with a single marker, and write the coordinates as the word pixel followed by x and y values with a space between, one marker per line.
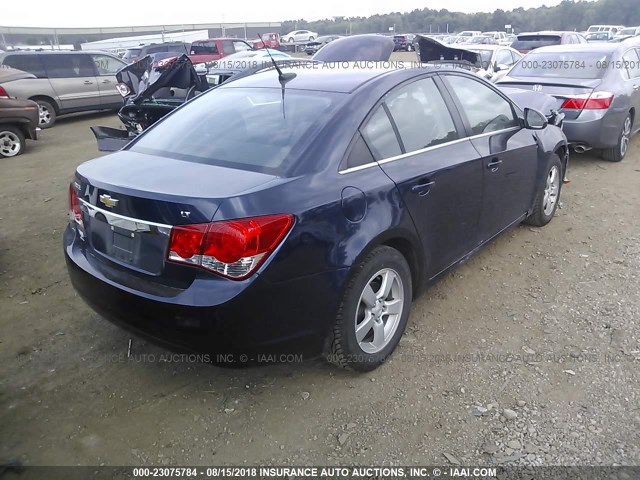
pixel 37 36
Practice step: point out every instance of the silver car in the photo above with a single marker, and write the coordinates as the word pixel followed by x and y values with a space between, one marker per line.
pixel 66 82
pixel 596 86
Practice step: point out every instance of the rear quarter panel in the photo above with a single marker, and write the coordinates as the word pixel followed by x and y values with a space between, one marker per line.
pixel 28 88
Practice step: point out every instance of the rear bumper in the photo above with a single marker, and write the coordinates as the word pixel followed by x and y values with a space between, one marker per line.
pixel 263 318
pixel 595 128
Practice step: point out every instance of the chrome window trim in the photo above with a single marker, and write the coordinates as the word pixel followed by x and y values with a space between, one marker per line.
pixel 108 214
pixel 423 150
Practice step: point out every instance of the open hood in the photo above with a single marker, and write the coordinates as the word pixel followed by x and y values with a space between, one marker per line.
pixel 148 75
pixel 432 51
pixel 358 48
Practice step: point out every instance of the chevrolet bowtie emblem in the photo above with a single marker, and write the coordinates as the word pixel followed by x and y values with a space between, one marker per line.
pixel 108 201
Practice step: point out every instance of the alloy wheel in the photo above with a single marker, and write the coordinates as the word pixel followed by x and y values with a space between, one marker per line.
pixel 9 144
pixel 44 115
pixel 379 311
pixel 626 135
pixel 551 190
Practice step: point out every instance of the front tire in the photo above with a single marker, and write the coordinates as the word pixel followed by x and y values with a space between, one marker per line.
pixel 290 40
pixel 548 194
pixel 12 141
pixel 617 153
pixel 374 312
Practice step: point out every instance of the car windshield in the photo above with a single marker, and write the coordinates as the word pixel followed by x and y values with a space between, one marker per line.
pixel 530 42
pixel 581 65
pixel 242 128
pixel 132 53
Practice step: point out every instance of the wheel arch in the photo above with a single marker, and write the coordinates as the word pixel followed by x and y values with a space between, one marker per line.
pixel 48 99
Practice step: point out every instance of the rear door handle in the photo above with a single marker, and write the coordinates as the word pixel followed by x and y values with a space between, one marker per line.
pixel 88 82
pixel 493 164
pixel 106 81
pixel 423 188
pixel 635 87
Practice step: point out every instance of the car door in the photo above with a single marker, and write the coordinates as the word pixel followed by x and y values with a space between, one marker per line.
pixel 437 171
pixel 509 152
pixel 73 78
pixel 240 46
pixel 106 68
pixel 631 65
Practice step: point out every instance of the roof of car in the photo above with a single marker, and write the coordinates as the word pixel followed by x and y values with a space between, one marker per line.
pixel 55 52
pixel 327 77
pixel 546 32
pixel 482 46
pixel 580 47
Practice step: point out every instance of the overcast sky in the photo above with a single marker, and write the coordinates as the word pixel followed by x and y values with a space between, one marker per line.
pixel 75 13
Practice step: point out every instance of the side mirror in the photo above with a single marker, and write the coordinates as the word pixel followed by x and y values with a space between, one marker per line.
pixel 534 120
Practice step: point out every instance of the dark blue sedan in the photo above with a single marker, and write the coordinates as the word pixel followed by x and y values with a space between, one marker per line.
pixel 303 212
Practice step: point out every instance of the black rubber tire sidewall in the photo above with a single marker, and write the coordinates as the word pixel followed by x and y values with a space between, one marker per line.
pixel 343 349
pixel 538 218
pixel 16 131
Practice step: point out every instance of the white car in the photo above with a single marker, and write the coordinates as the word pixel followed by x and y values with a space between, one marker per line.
pixel 500 37
pixel 496 59
pixel 299 36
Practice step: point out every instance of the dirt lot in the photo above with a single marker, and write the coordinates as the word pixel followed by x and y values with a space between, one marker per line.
pixel 529 353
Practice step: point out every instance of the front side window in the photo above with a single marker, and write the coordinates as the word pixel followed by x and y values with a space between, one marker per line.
pixel 227 47
pixel 107 65
pixel 421 116
pixel 485 110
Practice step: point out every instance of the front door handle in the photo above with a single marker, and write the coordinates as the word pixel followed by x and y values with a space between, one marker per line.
pixel 635 87
pixel 493 164
pixel 423 188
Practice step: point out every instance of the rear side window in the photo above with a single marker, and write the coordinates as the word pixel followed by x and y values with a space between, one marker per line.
pixel 529 42
pixel 204 48
pixel 485 110
pixel 421 116
pixel 631 63
pixel 106 65
pixel 359 154
pixel 380 136
pixel 68 65
pixel 26 63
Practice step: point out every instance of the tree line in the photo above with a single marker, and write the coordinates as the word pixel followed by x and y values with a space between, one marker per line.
pixel 568 15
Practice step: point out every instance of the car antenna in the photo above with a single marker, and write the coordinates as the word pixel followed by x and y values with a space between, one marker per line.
pixel 283 78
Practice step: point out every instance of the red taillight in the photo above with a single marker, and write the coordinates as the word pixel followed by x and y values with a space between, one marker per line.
pixel 594 101
pixel 3 93
pixel 231 248
pixel 75 214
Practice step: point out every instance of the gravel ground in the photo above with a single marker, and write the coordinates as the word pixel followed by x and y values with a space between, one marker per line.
pixel 527 354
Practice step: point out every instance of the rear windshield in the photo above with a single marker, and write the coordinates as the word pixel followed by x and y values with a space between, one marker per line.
pixel 131 53
pixel 586 65
pixel 529 42
pixel 242 128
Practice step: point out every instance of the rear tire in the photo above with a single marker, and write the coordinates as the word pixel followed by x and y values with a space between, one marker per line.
pixel 374 311
pixel 617 153
pixel 12 142
pixel 548 194
pixel 47 114
pixel 312 38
